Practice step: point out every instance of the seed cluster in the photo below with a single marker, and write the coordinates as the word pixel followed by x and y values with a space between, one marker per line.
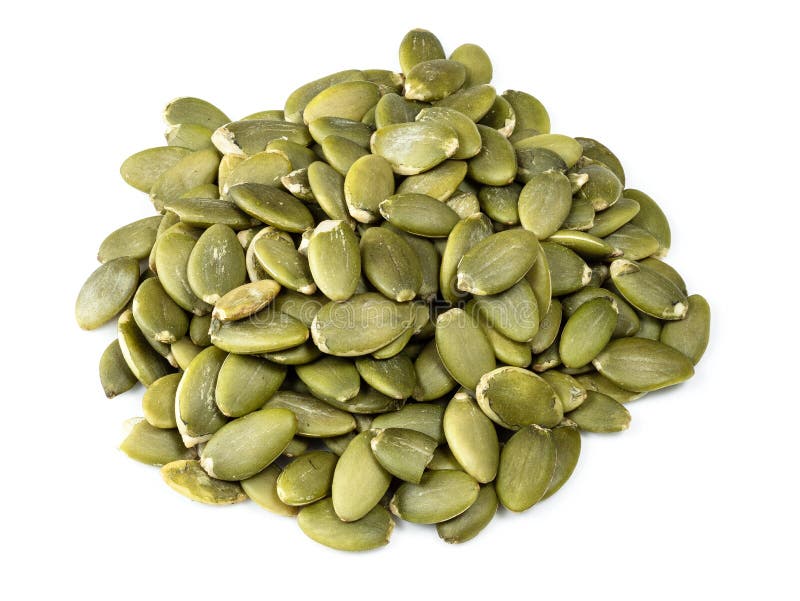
pixel 401 294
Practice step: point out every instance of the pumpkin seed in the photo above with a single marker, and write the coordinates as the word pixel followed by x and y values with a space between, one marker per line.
pixel 472 438
pixel 497 262
pixel 189 479
pixel 263 489
pixel 434 79
pixel 414 147
pixel 544 203
pixel 307 479
pixel 322 524
pixel 587 332
pixel 648 291
pixel 115 375
pixel 469 524
pixel 463 348
pixel 600 413
pixel 567 441
pixel 690 335
pixel 153 446
pixel 390 264
pixel 651 218
pixel 514 397
pixel 143 361
pixel 530 113
pixel 106 292
pixel 419 214
pixel 359 481
pixel 251 136
pixel 527 463
pixel 143 169
pixel 403 453
pixel 419 45
pixel 642 365
pixel 439 496
pixel 158 402
pixel 420 417
pixel 245 384
pixel 496 163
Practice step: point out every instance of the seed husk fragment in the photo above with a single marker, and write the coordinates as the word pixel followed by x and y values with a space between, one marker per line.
pixel 307 479
pixel 192 481
pixel 115 375
pixel 403 453
pixel 527 463
pixel 600 413
pixel 440 496
pixel 321 523
pixel 642 365
pixel 106 292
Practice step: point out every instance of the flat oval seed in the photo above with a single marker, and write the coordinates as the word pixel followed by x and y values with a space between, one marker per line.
pixel 434 79
pixel 690 335
pixel 297 100
pixel 361 325
pixel 355 131
pixel 334 259
pixel 263 489
pixel 611 219
pixel 541 282
pixel 588 247
pixel 245 446
pixel 564 146
pixel 514 397
pixel 642 365
pixel 403 453
pixel 441 182
pixel 568 272
pixel 567 440
pixel 440 496
pixel 530 113
pixel 394 377
pixel 533 161
pixel 469 524
pixel 199 330
pixel 496 163
pixel 633 242
pixel 587 332
pixel 544 203
pixel 265 332
pixel 315 418
pixel 106 292
pixel 368 182
pixel 599 383
pixel 144 362
pixel 549 327
pixel 191 480
pixel 330 379
pixel 600 413
pixel 466 234
pixel 157 315
pixel 419 214
pixel 278 257
pixel 599 153
pixel 472 438
pixel 272 206
pixel 266 168
pixel 346 100
pixel 173 249
pixel 443 460
pixel 133 240
pixel 183 351
pixel 497 262
pixel 245 300
pixel 153 446
pixel 205 212
pixel 299 156
pixel 251 136
pixel 327 185
pixel 359 481
pixel 603 189
pixel 419 45
pixel 414 147
pixel 527 463
pixel 514 313
pixel 368 401
pixel 666 271
pixel 652 219
pixel 193 170
pixel 245 383
pixel 501 117
pixel 474 101
pixel 194 111
pixel 196 411
pixel 321 523
pixel 298 355
pixel 581 216
pixel 307 479
pixel 569 391
pixel 158 402
pixel 463 348
pixel 627 320
pixel 469 139
pixel 476 62
pixel 189 135
pixel 507 351
pixel 390 264
pixel 428 262
pixel 421 417
pixel 115 375
pixel 141 170
pixel 648 291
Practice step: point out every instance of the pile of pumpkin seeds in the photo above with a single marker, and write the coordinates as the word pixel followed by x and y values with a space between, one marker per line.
pixel 401 294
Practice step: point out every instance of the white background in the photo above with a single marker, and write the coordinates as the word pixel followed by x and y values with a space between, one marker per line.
pixel 698 99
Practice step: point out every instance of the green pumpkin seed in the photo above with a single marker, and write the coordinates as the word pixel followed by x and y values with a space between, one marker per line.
pixel 216 264
pixel 402 452
pixel 648 291
pixel 434 79
pixel 315 418
pixel 420 417
pixel 321 523
pixel 439 183
pixel 690 335
pixel 549 327
pixel 501 117
pixel 567 440
pixel 533 161
pixel 581 216
pixel 440 496
pixel 603 189
pixel 245 446
pixel 585 245
pixel 608 221
pixel 334 259
pixel 115 375
pixel 143 169
pixel 189 135
pixel 500 203
pixel 368 401
pixel 193 170
pixel 327 185
pixel 143 361
pixel 394 377
pixel 433 379
pixel 134 240
pixel 642 365
pixel 245 300
pixel 390 264
pixel 196 411
pixel 469 138
pixel 627 320
pixel 514 397
pixel 106 292
pixel 466 234
pixel 272 206
pixel 249 137
pixel 205 212
pixel 472 438
pixel 474 101
pixel 597 152
pixel 568 390
pixel 298 355
pixel 414 147
pixel 599 383
pixel 277 255
pixel 527 464
pixel 587 332
pixel 634 242
pixel 428 262
pixel 419 214
pixel 157 315
pixel 469 524
pixel 463 348
pixel 465 204
pixel 387 81
pixel 514 312
pixel 443 459
pixel 245 384
pixel 355 131
pixel 649 327
pixel 158 402
pixel 191 480
pixel 666 271
pixel 419 45
pixel 153 446
pixel 183 351
pixel 330 379
pixel 359 481
pixel 393 108
pixel 544 203
pixel 263 489
pixel 368 182
pixel 530 113
pixel 299 99
pixel 600 413
pixel 307 479
pixel 652 219
pixel 194 111
pixel 265 168
pixel 346 100
pixel 265 332
pixel 173 251
pixel 568 271
pixel 497 262
pixel 200 330
pixel 496 163
pixel 564 146
pixel 540 280
pixel 477 63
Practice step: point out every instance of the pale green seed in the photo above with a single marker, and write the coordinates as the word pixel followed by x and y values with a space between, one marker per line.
pixel 330 379
pixel 133 240
pixel 599 383
pixel 642 365
pixel 143 169
pixel 440 182
pixel 205 212
pixel 474 101
pixel 402 452
pixel 501 117
pixel 327 185
pixel 297 355
pixel 500 203
pixel 263 489
pixel 216 264
pixel 469 138
pixel 307 479
pixel 514 397
pixel 627 320
pixel 463 348
pixel 597 152
pixel 368 401
pixel 106 292
pixel 434 79
pixel 420 417
pixel 581 215
pixel 530 113
pixel 386 80
pixel 393 108
pixel 497 262
pixel 199 330
pixel 346 100
pixel 419 214
pixel 277 255
pixel 532 161
pixel 173 249
pixel 465 204
pixel 496 163
pixel 544 203
pixel 189 135
pixel 666 271
pixel 153 446
pixel 477 63
pixel 569 391
pixel 266 168
pixel 297 100
pixel 298 155
pixel 419 45
pixel 588 247
pixel 440 496
pixel 193 170
pixel 608 221
pixel 334 259
pixel 527 464
pixel 603 189
pixel 394 377
pixel 567 440
pixel 649 327
pixel 428 261
pixel 587 332
pixel 469 524
pixel 390 264
pixel 355 131
pixel 194 111
pixel 466 234
pixel 648 291
pixel 144 362
pixel 568 272
pixel 265 332
pixel 513 312
pixel 564 146
pixel 158 402
pixel 245 384
pixel 549 328
pixel 443 459
pixel 359 481
pixel 249 137
pixel 196 411
pixel 190 479
pixel 541 282
pixel 507 351
pixel 115 375
pixel 272 206
pixel 472 438
pixel 690 335
pixel 600 413
pixel 245 300
pixel 315 418
pixel 368 182
pixel 183 351
pixel 433 379
pixel 652 219
pixel 414 147
pixel 320 522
